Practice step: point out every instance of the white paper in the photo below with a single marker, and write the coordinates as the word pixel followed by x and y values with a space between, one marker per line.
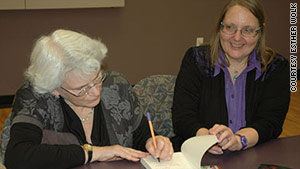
pixel 192 151
pixel 194 148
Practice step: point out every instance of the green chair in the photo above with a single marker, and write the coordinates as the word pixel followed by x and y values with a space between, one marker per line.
pixel 155 95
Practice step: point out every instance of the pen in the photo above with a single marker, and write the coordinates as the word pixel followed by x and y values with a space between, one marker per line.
pixel 152 132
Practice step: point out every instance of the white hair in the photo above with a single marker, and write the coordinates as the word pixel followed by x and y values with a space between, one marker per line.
pixel 60 52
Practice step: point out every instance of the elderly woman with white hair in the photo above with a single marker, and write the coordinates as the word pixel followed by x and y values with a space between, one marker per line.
pixel 69 112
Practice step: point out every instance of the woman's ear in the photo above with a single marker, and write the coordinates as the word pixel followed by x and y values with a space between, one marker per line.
pixel 55 93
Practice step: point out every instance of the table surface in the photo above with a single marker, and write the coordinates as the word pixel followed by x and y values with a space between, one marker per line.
pixel 281 151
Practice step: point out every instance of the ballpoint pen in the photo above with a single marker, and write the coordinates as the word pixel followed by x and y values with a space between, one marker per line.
pixel 152 132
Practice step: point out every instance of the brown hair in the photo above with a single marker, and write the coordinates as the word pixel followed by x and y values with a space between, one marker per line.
pixel 264 54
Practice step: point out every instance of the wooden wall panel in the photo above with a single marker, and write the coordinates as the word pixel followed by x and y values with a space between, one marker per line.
pixel 58 4
pixel 63 4
pixel 143 38
pixel 12 4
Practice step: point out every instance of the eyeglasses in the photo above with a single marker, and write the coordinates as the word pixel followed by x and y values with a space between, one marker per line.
pixel 84 90
pixel 246 32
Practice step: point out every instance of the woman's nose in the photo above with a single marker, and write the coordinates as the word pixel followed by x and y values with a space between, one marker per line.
pixel 237 36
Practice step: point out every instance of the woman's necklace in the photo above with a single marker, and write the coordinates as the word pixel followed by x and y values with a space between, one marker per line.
pixel 88 116
pixel 235 74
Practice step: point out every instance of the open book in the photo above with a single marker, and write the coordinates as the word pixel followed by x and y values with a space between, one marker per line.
pixel 192 151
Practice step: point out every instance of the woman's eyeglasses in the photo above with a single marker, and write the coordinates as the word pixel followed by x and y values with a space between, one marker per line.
pixel 87 88
pixel 246 32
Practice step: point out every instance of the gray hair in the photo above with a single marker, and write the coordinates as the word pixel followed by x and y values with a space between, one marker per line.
pixel 60 52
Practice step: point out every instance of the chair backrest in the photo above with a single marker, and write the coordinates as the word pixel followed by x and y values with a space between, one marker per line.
pixel 4 138
pixel 155 95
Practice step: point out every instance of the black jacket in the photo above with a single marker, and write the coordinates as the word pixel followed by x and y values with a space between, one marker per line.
pixel 199 97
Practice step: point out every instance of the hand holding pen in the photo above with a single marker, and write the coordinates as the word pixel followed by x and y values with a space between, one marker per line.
pixel 159 146
pixel 152 133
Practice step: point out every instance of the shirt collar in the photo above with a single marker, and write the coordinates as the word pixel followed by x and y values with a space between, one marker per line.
pixel 253 63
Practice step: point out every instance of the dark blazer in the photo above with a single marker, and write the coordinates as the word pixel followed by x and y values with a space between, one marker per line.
pixel 199 98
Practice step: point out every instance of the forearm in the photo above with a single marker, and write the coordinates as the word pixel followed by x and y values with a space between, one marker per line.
pixel 25 150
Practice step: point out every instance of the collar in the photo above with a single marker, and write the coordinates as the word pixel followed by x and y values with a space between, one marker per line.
pixel 253 63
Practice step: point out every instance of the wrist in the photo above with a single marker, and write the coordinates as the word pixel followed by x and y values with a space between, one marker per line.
pixel 243 141
pixel 89 150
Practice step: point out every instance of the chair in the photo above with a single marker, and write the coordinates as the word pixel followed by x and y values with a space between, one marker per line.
pixel 155 95
pixel 4 138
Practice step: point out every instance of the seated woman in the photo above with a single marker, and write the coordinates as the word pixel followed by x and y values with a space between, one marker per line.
pixel 69 112
pixel 235 88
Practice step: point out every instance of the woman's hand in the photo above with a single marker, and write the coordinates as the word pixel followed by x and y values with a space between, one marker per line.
pixel 214 149
pixel 164 149
pixel 227 140
pixel 117 152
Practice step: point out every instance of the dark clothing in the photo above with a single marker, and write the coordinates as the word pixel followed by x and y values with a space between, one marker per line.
pixel 73 125
pixel 199 96
pixel 235 92
pixel 26 151
pixel 46 132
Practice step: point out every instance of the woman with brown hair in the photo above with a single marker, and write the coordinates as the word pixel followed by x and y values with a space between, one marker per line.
pixel 236 87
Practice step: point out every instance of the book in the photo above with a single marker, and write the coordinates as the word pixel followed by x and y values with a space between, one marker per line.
pixel 192 151
pixel 271 166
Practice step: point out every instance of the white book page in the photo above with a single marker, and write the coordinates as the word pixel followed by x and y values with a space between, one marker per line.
pixel 178 162
pixel 194 148
pixel 192 151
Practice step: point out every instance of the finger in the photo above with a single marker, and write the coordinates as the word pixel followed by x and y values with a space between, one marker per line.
pixel 227 145
pixel 217 129
pixel 215 150
pixel 225 136
pixel 129 153
pixel 136 153
pixel 150 147
pixel 232 145
pixel 160 141
pixel 166 148
pixel 114 159
pixel 223 142
pixel 213 129
pixel 171 151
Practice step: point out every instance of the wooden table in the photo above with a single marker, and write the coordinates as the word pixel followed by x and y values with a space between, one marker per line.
pixel 281 151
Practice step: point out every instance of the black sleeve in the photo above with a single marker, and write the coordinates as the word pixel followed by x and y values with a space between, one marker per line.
pixel 25 151
pixel 141 135
pixel 187 98
pixel 274 103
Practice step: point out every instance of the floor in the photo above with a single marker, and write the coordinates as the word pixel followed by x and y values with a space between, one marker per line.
pixel 291 125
